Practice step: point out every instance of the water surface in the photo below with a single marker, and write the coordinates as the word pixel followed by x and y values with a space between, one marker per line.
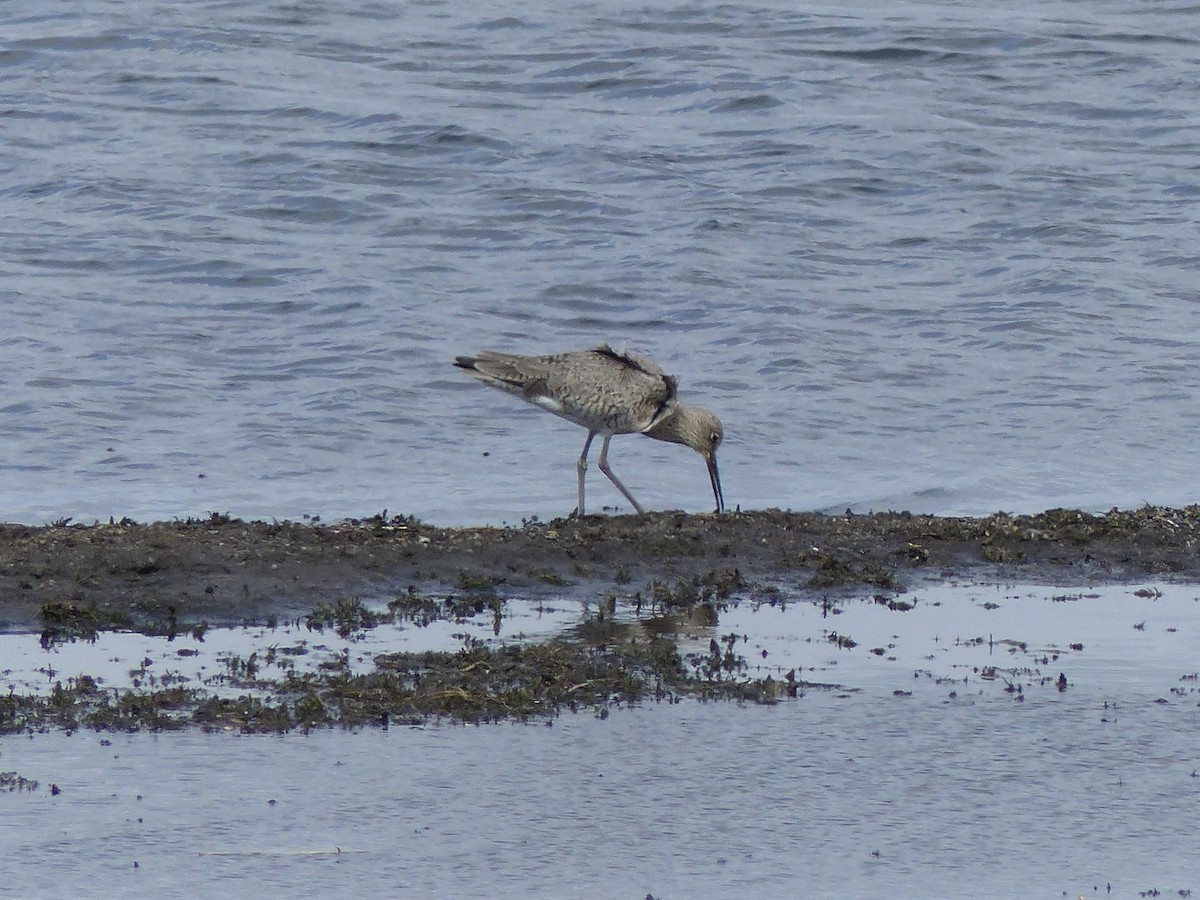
pixel 1005 740
pixel 918 256
pixel 838 796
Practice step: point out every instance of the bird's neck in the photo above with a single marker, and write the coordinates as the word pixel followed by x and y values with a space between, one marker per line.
pixel 667 428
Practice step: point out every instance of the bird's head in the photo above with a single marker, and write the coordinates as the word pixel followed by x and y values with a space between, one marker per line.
pixel 701 430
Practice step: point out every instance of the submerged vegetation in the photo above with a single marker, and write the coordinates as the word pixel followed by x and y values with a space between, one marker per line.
pixel 666 573
pixel 600 663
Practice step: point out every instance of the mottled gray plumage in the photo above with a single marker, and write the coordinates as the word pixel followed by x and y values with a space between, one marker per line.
pixel 607 392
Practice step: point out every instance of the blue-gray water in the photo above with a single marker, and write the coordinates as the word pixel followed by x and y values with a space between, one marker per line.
pixel 937 256
pixel 823 797
pixel 1003 741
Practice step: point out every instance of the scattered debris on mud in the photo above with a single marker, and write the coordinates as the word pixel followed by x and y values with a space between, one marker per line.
pixel 228 571
pixel 71 582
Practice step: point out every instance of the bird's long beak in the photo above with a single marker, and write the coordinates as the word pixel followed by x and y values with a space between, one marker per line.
pixel 715 477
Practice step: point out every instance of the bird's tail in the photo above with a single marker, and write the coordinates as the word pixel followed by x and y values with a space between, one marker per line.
pixel 507 371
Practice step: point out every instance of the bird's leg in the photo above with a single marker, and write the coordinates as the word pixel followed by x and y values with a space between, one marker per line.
pixel 582 467
pixel 613 478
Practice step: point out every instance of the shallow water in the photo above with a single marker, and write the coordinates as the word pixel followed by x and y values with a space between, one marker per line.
pixel 117 659
pixel 963 638
pixel 920 773
pixel 918 256
pixel 837 796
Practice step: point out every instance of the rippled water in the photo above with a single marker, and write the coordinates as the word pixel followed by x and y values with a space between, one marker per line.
pixel 990 741
pixel 920 255
pixel 828 797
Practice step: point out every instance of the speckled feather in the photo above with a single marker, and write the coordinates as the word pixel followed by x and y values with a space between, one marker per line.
pixel 604 390
pixel 607 392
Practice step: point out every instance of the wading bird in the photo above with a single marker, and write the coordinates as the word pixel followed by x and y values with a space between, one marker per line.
pixel 607 392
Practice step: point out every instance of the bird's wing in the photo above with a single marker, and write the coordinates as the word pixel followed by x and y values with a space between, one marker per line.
pixel 520 375
pixel 662 395
pixel 509 367
pixel 633 360
pixel 602 389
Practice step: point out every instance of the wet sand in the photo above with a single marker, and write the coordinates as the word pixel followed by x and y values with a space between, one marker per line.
pixel 228 571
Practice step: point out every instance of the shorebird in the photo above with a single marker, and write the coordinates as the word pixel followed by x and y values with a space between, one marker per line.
pixel 607 392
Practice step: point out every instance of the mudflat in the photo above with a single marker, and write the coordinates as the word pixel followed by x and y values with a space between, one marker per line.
pixel 227 571
pixel 284 625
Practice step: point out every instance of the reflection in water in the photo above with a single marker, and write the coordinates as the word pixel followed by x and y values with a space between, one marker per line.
pixel 914 767
pixel 965 638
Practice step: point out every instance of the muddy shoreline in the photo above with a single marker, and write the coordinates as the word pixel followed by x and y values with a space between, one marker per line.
pixel 645 586
pixel 228 571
